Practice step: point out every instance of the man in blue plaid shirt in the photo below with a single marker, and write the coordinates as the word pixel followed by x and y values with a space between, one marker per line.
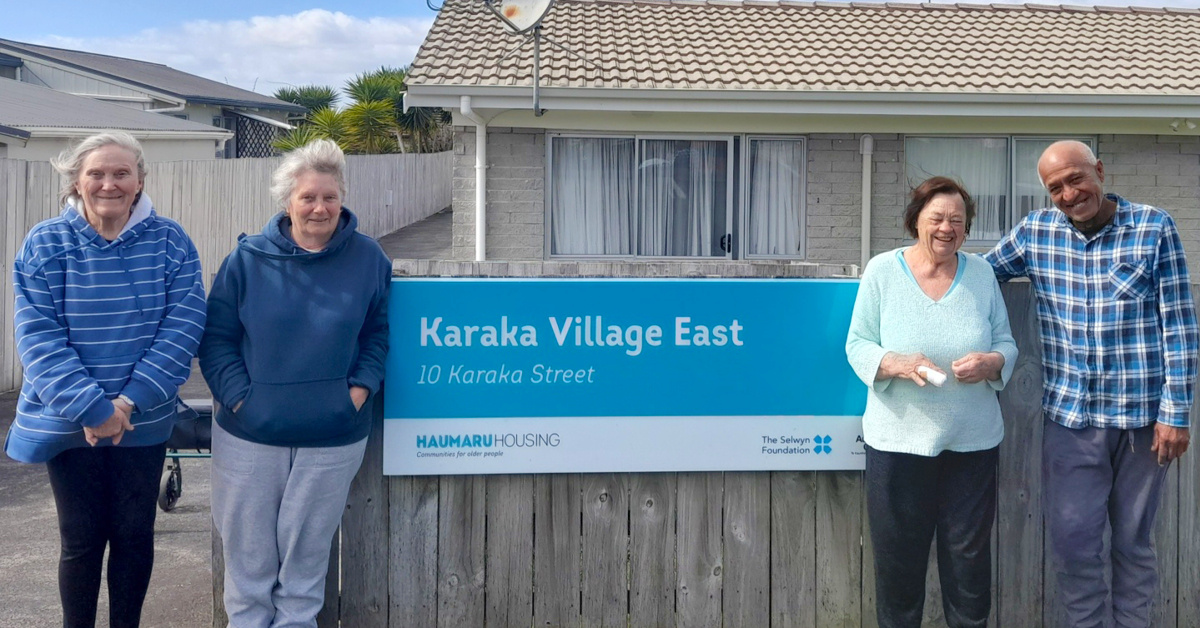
pixel 1119 344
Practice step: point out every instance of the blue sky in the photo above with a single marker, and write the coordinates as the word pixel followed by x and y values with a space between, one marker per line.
pixel 256 44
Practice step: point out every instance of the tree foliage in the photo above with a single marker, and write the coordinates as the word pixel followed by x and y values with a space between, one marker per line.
pixel 311 97
pixel 375 120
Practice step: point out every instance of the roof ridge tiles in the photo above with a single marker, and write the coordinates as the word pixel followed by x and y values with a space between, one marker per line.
pixel 884 4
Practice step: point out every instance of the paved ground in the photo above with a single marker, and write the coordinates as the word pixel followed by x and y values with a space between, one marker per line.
pixel 181 590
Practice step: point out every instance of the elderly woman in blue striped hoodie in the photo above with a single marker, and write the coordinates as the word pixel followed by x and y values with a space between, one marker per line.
pixel 109 312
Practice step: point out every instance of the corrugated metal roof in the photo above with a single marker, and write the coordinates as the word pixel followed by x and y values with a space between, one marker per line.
pixel 24 106
pixel 825 47
pixel 155 76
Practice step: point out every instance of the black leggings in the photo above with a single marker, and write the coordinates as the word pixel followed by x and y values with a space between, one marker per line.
pixel 106 496
pixel 913 499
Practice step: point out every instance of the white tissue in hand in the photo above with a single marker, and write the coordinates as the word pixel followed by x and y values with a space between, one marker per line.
pixel 933 377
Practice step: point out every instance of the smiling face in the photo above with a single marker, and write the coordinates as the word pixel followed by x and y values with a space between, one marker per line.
pixel 108 183
pixel 1075 186
pixel 942 225
pixel 314 207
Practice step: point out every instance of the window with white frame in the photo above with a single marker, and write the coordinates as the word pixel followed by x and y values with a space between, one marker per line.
pixel 1000 173
pixel 663 196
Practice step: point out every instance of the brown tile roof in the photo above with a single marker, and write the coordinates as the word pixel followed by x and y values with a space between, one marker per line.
pixel 781 45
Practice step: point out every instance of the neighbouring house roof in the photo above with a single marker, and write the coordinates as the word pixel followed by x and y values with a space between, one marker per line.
pixel 153 76
pixel 782 50
pixel 32 110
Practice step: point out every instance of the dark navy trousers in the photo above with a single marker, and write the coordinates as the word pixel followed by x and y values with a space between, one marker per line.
pixel 910 501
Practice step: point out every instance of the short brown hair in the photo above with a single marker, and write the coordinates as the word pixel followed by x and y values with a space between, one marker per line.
pixel 923 193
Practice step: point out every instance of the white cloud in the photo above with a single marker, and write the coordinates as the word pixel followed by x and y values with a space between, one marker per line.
pixel 264 53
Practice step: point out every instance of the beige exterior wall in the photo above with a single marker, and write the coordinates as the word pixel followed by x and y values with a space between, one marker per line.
pixel 1161 170
pixel 156 150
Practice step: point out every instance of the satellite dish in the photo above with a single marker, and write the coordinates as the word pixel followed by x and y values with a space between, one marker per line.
pixel 524 17
pixel 520 16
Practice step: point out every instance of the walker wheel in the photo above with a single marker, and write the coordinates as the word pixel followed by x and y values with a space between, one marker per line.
pixel 170 488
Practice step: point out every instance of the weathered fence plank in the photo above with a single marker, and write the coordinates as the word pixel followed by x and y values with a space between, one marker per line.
pixel 509 551
pixel 652 578
pixel 556 550
pixel 413 551
pixel 12 183
pixel 1019 552
pixel 747 535
pixel 1166 538
pixel 698 533
pixel 461 522
pixel 1188 610
pixel 605 587
pixel 793 549
pixel 839 549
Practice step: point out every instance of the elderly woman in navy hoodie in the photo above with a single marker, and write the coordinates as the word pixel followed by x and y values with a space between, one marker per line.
pixel 293 352
pixel 109 312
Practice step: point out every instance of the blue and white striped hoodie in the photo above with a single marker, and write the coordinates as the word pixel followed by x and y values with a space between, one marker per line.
pixel 95 319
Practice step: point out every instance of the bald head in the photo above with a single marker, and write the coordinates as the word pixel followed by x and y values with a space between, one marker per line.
pixel 1074 178
pixel 1065 152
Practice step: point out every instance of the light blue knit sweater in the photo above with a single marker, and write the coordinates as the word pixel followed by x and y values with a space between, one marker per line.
pixel 891 313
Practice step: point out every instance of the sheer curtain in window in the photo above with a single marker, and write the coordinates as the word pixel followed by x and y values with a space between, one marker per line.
pixel 683 201
pixel 776 197
pixel 591 196
pixel 980 163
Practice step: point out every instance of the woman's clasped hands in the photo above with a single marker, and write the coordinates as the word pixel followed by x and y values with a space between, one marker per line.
pixel 114 428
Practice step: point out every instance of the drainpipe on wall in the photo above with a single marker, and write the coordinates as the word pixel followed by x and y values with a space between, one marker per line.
pixel 480 178
pixel 867 148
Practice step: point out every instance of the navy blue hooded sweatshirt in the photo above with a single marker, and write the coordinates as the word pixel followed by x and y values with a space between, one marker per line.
pixel 290 331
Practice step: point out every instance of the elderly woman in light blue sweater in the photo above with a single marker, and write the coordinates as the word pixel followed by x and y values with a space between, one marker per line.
pixel 930 338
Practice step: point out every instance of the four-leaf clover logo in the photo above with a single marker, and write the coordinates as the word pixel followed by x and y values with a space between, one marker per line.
pixel 822 444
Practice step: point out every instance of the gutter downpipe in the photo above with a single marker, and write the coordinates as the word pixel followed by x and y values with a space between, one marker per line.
pixel 480 177
pixel 867 148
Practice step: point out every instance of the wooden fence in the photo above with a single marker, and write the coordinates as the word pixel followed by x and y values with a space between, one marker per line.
pixel 780 549
pixel 215 201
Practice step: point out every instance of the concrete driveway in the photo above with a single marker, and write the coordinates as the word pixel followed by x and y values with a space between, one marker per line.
pixel 181 590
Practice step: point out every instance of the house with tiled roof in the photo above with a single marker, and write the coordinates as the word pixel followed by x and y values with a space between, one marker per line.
pixel 714 129
pixel 254 120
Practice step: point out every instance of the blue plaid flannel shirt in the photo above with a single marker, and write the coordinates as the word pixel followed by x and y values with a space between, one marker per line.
pixel 1119 332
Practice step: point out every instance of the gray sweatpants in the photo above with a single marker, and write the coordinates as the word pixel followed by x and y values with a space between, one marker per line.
pixel 1097 478
pixel 277 509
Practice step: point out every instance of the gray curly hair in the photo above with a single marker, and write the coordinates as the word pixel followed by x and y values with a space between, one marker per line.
pixel 321 156
pixel 70 161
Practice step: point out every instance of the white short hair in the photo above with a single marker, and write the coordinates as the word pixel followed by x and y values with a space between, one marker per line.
pixel 70 161
pixel 321 156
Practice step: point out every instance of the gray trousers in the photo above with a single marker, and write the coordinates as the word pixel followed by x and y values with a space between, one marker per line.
pixel 277 509
pixel 1096 479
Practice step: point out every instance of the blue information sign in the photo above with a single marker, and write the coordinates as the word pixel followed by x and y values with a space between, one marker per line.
pixel 571 375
